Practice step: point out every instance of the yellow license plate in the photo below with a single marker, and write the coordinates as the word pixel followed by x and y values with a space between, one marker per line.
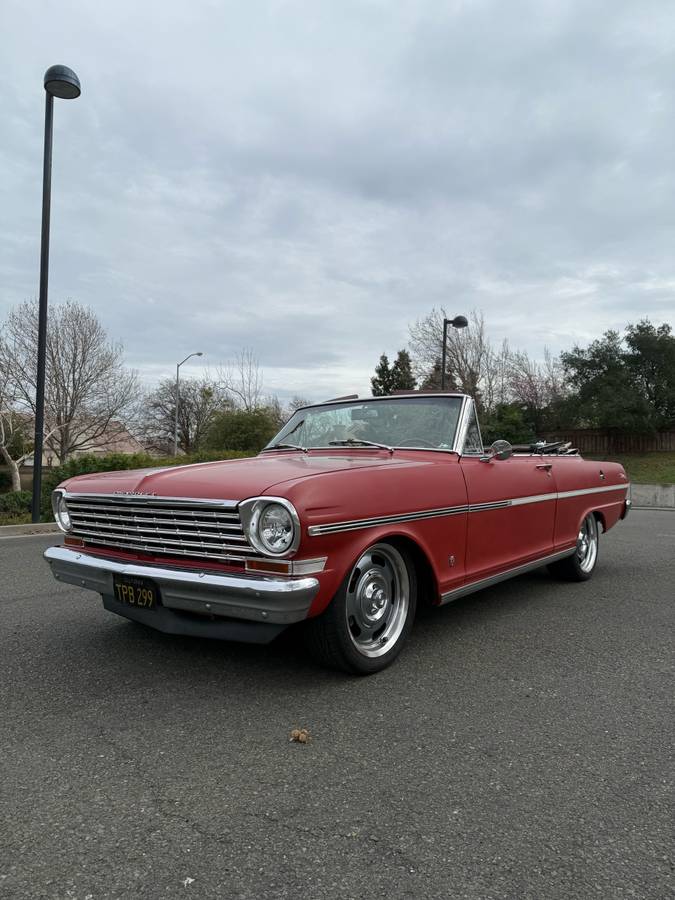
pixel 138 592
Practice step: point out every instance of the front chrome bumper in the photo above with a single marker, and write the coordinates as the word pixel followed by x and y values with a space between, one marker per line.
pixel 264 600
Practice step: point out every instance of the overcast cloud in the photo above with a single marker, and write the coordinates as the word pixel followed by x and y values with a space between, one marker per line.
pixel 307 178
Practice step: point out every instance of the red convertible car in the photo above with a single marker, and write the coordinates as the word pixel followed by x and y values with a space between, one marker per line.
pixel 354 513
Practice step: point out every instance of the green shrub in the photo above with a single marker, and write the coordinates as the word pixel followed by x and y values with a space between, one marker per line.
pixel 117 462
pixel 244 430
pixel 508 423
pixel 15 503
pixel 5 481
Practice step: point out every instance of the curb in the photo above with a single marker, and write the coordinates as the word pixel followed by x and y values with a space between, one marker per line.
pixel 653 496
pixel 18 530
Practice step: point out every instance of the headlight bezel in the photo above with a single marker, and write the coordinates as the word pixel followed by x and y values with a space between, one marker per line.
pixel 251 512
pixel 61 511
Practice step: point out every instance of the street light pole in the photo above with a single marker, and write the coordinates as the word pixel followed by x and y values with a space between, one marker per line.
pixel 457 322
pixel 59 81
pixel 178 365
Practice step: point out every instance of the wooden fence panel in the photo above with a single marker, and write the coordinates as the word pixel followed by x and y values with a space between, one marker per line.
pixel 601 443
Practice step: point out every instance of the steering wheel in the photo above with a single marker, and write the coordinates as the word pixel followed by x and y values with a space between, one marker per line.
pixel 417 442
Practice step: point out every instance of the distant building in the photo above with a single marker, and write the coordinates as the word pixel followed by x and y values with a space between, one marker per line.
pixel 115 439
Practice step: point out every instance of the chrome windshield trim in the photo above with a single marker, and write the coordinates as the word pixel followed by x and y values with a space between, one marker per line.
pixel 462 424
pixel 449 395
pixel 468 408
pixel 364 447
pixel 413 395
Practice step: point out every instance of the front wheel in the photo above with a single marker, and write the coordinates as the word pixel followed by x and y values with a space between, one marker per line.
pixel 370 617
pixel 580 566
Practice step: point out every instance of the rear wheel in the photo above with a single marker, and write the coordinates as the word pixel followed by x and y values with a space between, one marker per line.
pixel 580 566
pixel 369 619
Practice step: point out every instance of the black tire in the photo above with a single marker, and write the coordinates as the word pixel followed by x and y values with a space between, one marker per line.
pixel 374 606
pixel 581 565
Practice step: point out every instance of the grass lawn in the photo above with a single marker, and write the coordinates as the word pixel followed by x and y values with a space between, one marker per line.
pixel 647 468
pixel 23 519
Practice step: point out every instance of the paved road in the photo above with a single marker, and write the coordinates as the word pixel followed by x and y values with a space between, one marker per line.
pixel 519 748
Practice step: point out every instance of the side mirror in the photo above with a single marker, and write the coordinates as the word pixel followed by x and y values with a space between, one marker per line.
pixel 499 450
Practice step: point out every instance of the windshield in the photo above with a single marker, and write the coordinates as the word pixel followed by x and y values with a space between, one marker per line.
pixel 429 421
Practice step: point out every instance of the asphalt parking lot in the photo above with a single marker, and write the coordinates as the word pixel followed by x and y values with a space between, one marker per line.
pixel 519 748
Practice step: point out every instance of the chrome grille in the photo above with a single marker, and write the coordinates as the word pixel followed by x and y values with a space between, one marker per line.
pixel 161 525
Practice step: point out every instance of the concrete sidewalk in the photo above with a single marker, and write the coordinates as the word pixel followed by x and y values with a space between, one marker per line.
pixel 24 530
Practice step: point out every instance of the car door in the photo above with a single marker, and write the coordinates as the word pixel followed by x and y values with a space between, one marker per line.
pixel 511 512
pixel 512 505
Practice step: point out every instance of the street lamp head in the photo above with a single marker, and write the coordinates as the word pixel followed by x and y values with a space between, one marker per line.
pixel 199 353
pixel 459 322
pixel 62 82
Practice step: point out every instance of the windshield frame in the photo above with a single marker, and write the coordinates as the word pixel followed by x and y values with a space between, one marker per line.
pixel 467 405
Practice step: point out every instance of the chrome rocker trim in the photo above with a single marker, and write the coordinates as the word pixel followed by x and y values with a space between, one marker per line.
pixel 265 604
pixel 474 586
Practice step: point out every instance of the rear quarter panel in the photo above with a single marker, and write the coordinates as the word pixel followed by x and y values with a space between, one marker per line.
pixel 608 483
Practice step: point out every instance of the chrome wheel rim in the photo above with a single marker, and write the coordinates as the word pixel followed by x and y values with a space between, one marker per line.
pixel 378 599
pixel 587 544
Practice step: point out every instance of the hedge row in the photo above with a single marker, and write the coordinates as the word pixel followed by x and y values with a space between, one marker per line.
pixel 14 504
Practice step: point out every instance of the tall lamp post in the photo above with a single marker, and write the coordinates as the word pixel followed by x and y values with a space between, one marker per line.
pixel 457 322
pixel 178 365
pixel 62 82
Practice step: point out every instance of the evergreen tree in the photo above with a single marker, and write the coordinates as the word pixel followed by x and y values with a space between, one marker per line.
pixel 402 378
pixel 432 381
pixel 381 381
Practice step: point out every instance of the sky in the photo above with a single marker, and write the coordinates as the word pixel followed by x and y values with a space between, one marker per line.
pixel 306 178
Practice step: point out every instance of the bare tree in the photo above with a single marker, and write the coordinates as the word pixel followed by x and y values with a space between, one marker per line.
pixel 280 413
pixel 200 400
pixel 296 402
pixel 469 352
pixel 88 389
pixel 16 440
pixel 497 379
pixel 242 380
pixel 15 445
pixel 534 385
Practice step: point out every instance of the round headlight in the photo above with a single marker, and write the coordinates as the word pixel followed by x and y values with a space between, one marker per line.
pixel 275 528
pixel 61 512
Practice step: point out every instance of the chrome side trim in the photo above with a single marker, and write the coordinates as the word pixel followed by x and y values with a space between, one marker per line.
pixel 259 598
pixel 596 490
pixel 535 498
pixel 373 522
pixel 465 589
pixel 495 504
pixel 354 524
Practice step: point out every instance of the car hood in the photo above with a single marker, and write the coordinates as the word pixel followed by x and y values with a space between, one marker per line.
pixel 234 479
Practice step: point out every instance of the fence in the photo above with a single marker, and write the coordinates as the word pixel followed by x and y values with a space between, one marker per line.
pixel 605 443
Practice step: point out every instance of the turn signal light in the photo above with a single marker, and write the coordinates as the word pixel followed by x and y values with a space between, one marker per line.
pixel 271 566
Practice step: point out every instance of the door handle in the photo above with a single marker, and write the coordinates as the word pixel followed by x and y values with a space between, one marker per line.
pixel 546 466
